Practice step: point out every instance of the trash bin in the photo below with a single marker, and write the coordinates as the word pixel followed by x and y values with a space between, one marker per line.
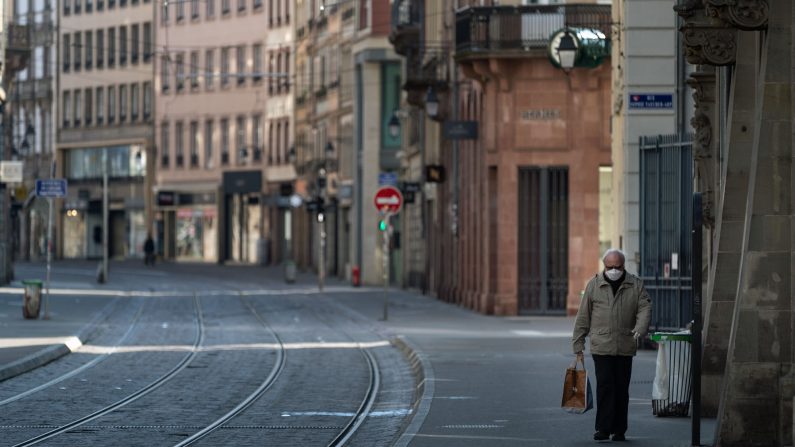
pixel 31 301
pixel 289 271
pixel 672 382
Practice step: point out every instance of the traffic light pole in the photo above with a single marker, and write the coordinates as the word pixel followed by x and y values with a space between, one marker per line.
pixel 321 218
pixel 386 234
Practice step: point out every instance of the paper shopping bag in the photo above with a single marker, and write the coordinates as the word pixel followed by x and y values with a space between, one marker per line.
pixel 577 395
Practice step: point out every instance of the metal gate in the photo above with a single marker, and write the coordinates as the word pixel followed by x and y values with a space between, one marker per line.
pixel 543 226
pixel 666 190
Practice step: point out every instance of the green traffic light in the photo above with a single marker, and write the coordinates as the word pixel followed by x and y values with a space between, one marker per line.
pixel 382 225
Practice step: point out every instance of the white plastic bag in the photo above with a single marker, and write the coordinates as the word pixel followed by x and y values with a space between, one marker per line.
pixel 659 389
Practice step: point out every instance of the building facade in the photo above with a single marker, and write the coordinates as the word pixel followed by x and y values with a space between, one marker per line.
pixel 516 146
pixel 348 81
pixel 223 128
pixel 31 107
pixel 105 90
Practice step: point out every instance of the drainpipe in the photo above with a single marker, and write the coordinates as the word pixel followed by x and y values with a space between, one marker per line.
pixel 359 156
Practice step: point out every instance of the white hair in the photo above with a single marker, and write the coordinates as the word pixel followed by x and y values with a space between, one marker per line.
pixel 611 251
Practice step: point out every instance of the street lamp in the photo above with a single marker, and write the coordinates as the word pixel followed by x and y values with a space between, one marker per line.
pixel 432 103
pixel 394 125
pixel 291 155
pixel 567 51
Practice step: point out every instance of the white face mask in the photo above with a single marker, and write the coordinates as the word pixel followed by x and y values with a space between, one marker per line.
pixel 614 274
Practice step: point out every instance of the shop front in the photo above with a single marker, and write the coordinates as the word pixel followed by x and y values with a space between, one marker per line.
pixel 81 219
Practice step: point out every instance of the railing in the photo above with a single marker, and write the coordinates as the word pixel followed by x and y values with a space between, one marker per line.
pixel 666 190
pixel 523 28
pixel 406 13
pixel 432 69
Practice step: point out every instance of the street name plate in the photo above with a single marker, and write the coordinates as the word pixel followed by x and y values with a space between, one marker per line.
pixel 51 188
pixel 387 179
pixel 654 101
pixel 11 171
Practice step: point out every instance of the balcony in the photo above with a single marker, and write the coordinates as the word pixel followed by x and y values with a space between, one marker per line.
pixel 518 31
pixel 406 25
pixel 18 47
pixel 430 69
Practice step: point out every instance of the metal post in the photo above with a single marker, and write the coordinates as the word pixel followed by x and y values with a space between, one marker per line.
pixel 49 263
pixel 385 250
pixel 321 218
pixel 695 358
pixel 105 215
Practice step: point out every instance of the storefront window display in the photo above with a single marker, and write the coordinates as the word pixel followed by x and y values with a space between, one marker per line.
pixel 196 234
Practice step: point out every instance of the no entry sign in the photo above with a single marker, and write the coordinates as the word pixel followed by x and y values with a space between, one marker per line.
pixel 388 199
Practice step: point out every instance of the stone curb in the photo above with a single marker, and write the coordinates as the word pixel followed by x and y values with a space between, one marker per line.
pixel 54 352
pixel 423 395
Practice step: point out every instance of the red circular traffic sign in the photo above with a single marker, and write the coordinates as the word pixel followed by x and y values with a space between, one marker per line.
pixel 388 199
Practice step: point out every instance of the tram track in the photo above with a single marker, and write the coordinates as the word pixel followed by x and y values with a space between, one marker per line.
pixel 199 340
pixel 80 369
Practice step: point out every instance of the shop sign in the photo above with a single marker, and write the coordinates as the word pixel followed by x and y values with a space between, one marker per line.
pixel 242 182
pixel 435 174
pixel 11 171
pixel 166 198
pixel 539 114
pixel 410 187
pixel 461 130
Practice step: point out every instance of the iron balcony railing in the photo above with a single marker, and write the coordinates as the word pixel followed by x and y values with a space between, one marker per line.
pixel 488 29
pixel 406 25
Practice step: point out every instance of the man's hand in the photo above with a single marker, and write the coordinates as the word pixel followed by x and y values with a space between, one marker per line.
pixel 579 355
pixel 636 335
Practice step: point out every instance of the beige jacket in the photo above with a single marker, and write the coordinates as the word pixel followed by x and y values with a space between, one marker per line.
pixel 609 321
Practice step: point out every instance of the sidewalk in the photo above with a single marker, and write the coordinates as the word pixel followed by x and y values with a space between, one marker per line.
pixel 491 381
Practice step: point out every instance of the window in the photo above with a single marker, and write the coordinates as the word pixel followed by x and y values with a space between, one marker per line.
pixel 147 100
pixel 89 49
pixel 111 4
pixel 194 9
pixel 100 104
pixel 210 13
pixel 111 47
pixel 111 103
pixel 100 47
pixel 135 99
pixel 278 148
pixel 66 109
pixel 164 14
pixel 225 6
pixel 78 108
pixel 194 69
pixel 225 141
pixel 180 11
pixel 67 52
pixel 208 144
pixel 77 6
pixel 257 56
pixel 78 51
pixel 240 139
pixel 283 156
pixel 89 104
pixel 147 42
pixel 257 4
pixel 47 62
pixel 241 5
pixel 122 3
pixel 122 45
pixel 164 146
pixel 178 143
pixel 271 146
pixel 89 6
pixel 100 5
pixel 165 76
pixel 67 7
pixel 284 77
pixel 286 11
pixel 122 103
pixel 180 72
pixel 257 138
pixel 209 68
pixel 364 14
pixel 135 43
pixel 270 12
pixel 278 80
pixel 194 144
pixel 271 70
pixel 241 65
pixel 224 66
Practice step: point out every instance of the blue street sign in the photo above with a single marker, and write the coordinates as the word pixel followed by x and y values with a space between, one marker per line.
pixel 656 101
pixel 387 179
pixel 51 188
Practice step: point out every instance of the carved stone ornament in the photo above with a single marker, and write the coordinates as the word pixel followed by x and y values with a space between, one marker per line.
pixel 746 15
pixel 709 45
pixel 703 83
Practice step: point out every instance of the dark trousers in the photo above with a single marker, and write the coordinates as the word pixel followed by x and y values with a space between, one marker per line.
pixel 613 373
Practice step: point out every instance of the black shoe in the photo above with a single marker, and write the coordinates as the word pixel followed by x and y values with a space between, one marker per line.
pixel 601 436
pixel 619 437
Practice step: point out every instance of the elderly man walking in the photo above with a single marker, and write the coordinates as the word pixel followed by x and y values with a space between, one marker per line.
pixel 614 313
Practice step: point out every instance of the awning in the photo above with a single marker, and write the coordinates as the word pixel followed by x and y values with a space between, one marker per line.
pixel 279 174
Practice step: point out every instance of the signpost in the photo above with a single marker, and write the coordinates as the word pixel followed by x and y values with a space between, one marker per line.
pixel 388 200
pixel 50 189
